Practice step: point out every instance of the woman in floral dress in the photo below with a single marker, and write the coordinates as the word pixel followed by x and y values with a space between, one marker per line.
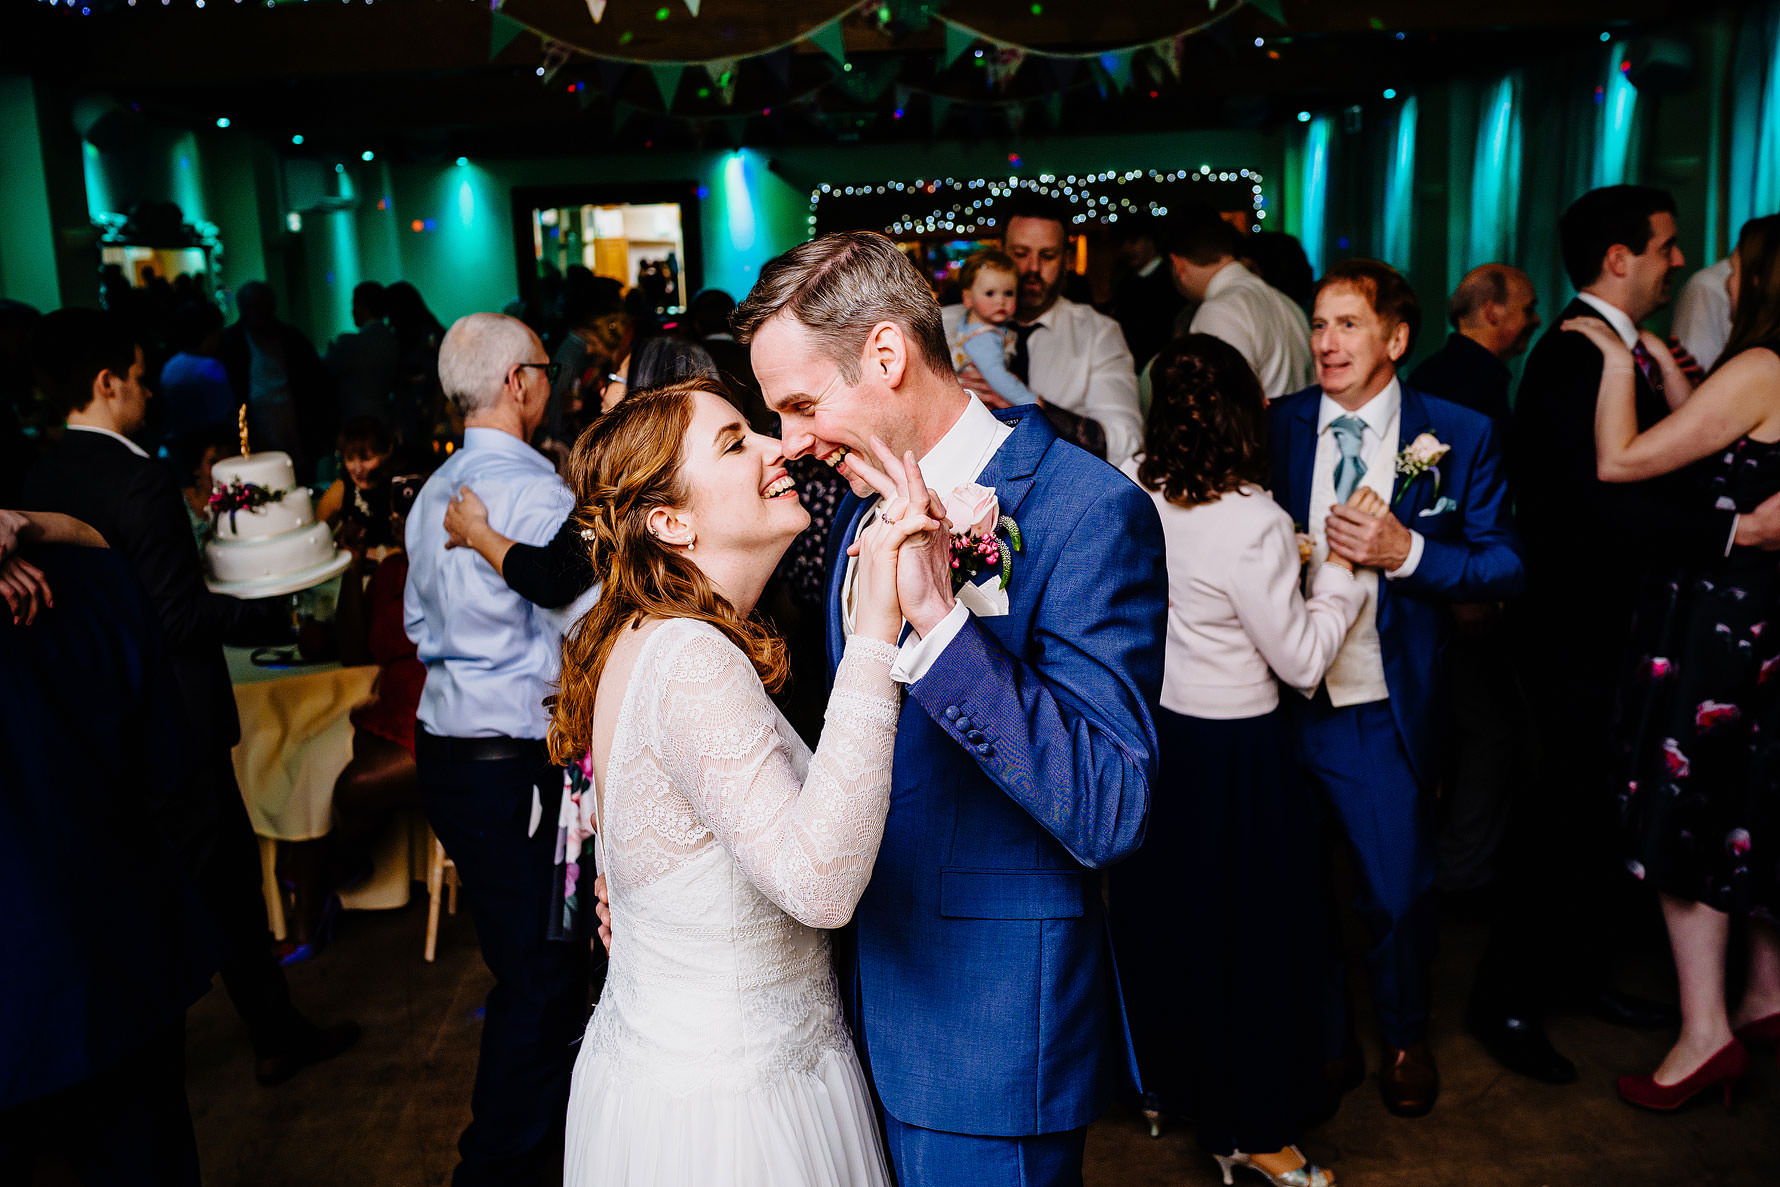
pixel 1699 724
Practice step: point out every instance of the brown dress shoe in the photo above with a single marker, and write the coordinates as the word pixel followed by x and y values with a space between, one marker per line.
pixel 1407 1080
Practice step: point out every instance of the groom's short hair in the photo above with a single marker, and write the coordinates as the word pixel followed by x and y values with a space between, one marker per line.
pixel 838 286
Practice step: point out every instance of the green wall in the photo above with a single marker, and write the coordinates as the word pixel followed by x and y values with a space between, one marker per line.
pixel 27 234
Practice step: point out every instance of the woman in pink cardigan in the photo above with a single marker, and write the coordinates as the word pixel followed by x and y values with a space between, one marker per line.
pixel 1218 922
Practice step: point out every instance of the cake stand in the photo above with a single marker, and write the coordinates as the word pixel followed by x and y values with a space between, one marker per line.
pixel 282 583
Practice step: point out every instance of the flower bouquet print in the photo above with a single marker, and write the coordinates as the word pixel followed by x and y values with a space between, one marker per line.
pixel 983 539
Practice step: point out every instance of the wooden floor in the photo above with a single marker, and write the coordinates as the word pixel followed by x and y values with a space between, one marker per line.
pixel 388 1113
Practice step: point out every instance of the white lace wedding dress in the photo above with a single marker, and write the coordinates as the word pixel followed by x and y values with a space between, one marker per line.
pixel 718 1054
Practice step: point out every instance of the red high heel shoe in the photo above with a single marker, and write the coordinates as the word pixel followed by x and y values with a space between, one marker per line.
pixel 1762 1030
pixel 1726 1067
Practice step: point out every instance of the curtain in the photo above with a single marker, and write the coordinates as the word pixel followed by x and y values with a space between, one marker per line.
pixel 1753 182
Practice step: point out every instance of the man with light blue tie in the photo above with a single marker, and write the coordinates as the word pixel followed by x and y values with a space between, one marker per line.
pixel 1367 732
pixel 491 658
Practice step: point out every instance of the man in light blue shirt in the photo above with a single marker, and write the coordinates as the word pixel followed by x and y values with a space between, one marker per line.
pixel 491 657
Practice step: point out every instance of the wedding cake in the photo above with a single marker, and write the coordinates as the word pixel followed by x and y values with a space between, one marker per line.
pixel 265 540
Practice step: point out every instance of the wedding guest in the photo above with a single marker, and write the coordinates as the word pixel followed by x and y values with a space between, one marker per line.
pixel 1145 301
pixel 1699 710
pixel 491 658
pixel 708 317
pixel 421 411
pixel 1220 1033
pixel 561 570
pixel 94 1072
pixel 194 389
pixel 358 502
pixel 1279 259
pixel 1368 730
pixel 989 281
pixel 1257 319
pixel 195 453
pixel 1073 356
pixel 1589 545
pixel 87 361
pixel 1493 313
pixel 380 777
pixel 364 363
pixel 275 371
pixel 1702 321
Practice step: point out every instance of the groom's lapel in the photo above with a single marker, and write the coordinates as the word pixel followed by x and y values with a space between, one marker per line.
pixel 1011 470
pixel 1410 496
pixel 845 527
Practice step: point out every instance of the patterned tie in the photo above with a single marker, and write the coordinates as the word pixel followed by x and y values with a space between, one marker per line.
pixel 1021 362
pixel 1349 469
pixel 1653 374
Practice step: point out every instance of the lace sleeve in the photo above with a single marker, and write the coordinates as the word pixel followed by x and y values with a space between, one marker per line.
pixel 807 845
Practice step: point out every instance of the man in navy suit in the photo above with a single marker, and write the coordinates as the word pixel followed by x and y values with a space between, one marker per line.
pixel 977 975
pixel 1368 731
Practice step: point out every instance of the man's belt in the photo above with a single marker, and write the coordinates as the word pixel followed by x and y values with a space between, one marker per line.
pixel 439 749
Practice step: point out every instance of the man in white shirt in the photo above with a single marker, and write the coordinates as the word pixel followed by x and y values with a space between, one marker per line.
pixel 1262 323
pixel 1368 732
pixel 485 775
pixel 1703 314
pixel 1072 355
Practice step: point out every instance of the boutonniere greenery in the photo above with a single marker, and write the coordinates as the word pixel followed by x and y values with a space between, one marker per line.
pixel 982 537
pixel 1421 456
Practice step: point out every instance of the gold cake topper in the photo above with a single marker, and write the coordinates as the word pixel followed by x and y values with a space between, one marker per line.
pixel 241 422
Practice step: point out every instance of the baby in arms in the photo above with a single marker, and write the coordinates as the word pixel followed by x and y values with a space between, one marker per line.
pixel 990 282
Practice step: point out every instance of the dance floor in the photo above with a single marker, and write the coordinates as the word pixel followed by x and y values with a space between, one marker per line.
pixel 388 1112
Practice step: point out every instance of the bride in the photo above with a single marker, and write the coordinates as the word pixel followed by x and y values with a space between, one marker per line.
pixel 717 1053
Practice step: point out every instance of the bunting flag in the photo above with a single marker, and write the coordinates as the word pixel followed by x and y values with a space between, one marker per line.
pixel 716 68
pixel 938 107
pixel 586 95
pixel 1169 53
pixel 1117 64
pixel 1059 72
pixel 831 40
pixel 779 63
pixel 957 41
pixel 868 80
pixel 621 113
pixel 611 74
pixel 502 30
pixel 556 56
pixel 692 6
pixel 667 80
pixel 1004 62
pixel 1270 8
pixel 1054 110
pixel 596 9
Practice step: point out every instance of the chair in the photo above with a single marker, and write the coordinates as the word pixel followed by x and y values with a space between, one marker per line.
pixel 441 875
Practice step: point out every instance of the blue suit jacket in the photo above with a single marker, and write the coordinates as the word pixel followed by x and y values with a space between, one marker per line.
pixel 1470 552
pixel 978 969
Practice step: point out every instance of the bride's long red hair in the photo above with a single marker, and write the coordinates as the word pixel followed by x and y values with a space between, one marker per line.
pixel 624 466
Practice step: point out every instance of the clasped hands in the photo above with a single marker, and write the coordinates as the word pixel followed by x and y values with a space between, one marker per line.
pixel 1363 533
pixel 905 555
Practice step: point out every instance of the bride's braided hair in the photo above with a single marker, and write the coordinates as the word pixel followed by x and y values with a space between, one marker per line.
pixel 624 466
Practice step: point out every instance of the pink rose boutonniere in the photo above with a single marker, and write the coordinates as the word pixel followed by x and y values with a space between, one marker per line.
pixel 978 528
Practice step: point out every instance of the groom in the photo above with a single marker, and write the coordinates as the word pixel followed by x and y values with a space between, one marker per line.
pixel 978 975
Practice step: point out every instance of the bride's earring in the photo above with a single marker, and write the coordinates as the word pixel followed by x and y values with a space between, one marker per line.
pixel 691 544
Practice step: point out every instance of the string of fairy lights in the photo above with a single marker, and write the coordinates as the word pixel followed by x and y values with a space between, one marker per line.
pixel 967 207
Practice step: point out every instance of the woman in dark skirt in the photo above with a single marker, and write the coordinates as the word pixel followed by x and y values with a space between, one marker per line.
pixel 1699 727
pixel 1217 920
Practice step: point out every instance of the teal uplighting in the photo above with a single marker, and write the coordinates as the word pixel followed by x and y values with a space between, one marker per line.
pixel 1304 117
pixel 1752 181
pixel 462 161
pixel 466 202
pixel 222 121
pixel 739 202
pixel 1618 100
pixel 367 155
pixel 1316 192
pixel 1390 92
pixel 1495 174
pixel 1399 189
pixel 297 139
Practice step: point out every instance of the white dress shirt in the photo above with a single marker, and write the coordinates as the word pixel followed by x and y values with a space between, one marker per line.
pixel 1078 360
pixel 1357 675
pixel 1703 313
pixel 1264 325
pixel 1235 614
pixel 128 444
pixel 491 656
pixel 958 457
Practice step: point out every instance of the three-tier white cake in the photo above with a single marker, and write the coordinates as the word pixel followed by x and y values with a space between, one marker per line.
pixel 267 541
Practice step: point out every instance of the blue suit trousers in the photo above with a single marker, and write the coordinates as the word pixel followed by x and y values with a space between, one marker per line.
pixel 1355 754
pixel 930 1158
